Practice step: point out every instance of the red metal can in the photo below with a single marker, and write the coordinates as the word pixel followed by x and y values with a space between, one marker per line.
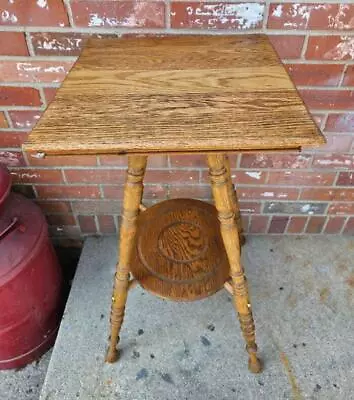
pixel 5 185
pixel 30 284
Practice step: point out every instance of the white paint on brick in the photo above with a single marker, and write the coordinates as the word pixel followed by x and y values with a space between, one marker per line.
pixel 268 194
pixel 335 162
pixel 245 15
pixel 55 44
pixel 27 67
pixel 6 16
pixel 335 22
pixel 344 49
pixel 254 175
pixel 42 4
pixel 278 11
pixel 25 175
pixel 306 208
pixel 38 155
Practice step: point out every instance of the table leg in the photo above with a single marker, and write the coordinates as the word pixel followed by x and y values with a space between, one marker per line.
pixel 220 182
pixel 133 192
pixel 235 203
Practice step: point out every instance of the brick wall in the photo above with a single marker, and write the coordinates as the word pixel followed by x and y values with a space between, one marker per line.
pixel 310 193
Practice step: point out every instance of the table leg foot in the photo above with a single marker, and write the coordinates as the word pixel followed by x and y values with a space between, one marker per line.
pixel 225 205
pixel 133 192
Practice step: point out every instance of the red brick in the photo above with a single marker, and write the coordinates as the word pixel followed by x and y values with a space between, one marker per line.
pixel 106 224
pixel 171 176
pixel 185 160
pixel 289 16
pixel 68 192
pixel 55 207
pixel 327 194
pixel 336 144
pixel 349 227
pixel 349 76
pixel 118 14
pixel 248 207
pixel 334 225
pixel 341 208
pixel 315 224
pixel 95 175
pixel 72 161
pixel 26 175
pixel 150 192
pixel 87 223
pixel 275 160
pixel 61 219
pixel 13 44
pixel 287 46
pixel 97 207
pixel 345 179
pixel 328 99
pixel 334 161
pixel 12 139
pixel 267 193
pixel 315 74
pixel 3 122
pixel 304 178
pixel 11 158
pixel 310 16
pixel 57 44
pixel 49 94
pixel 239 16
pixel 190 191
pixel 34 71
pixel 242 177
pixel 19 96
pixel 340 123
pixel 296 224
pixel 113 160
pixel 258 224
pixel 330 48
pixel 278 224
pixel 332 16
pixel 33 13
pixel 25 119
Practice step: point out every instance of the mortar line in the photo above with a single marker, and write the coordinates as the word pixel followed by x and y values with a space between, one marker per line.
pixel 340 83
pixel 29 44
pixel 168 14
pixel 69 13
pixel 188 31
pixel 8 119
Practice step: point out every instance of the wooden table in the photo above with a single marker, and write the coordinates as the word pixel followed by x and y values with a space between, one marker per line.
pixel 187 94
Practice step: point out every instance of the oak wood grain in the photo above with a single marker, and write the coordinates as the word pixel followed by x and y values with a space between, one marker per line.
pixel 175 94
pixel 179 253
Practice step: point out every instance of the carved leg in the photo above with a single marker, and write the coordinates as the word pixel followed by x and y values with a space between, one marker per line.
pixel 133 192
pixel 235 203
pixel 220 182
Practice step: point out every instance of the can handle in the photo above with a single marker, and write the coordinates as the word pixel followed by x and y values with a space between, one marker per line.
pixel 9 228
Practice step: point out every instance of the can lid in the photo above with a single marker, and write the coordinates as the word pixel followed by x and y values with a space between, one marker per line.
pixel 5 184
pixel 22 226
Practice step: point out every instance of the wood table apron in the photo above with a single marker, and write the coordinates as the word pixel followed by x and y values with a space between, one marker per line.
pixel 184 95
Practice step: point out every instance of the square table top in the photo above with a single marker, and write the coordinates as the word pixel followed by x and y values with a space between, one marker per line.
pixel 175 94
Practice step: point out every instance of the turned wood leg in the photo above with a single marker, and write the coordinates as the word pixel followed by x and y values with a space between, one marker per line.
pixel 224 203
pixel 133 192
pixel 235 203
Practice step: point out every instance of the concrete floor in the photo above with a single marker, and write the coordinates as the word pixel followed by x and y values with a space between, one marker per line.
pixel 302 294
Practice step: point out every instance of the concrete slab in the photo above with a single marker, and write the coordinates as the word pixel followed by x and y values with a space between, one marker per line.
pixel 303 296
pixel 25 383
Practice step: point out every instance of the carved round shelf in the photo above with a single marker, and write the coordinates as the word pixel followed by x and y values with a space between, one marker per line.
pixel 179 253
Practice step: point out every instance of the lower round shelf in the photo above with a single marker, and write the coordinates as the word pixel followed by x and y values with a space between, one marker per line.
pixel 179 253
